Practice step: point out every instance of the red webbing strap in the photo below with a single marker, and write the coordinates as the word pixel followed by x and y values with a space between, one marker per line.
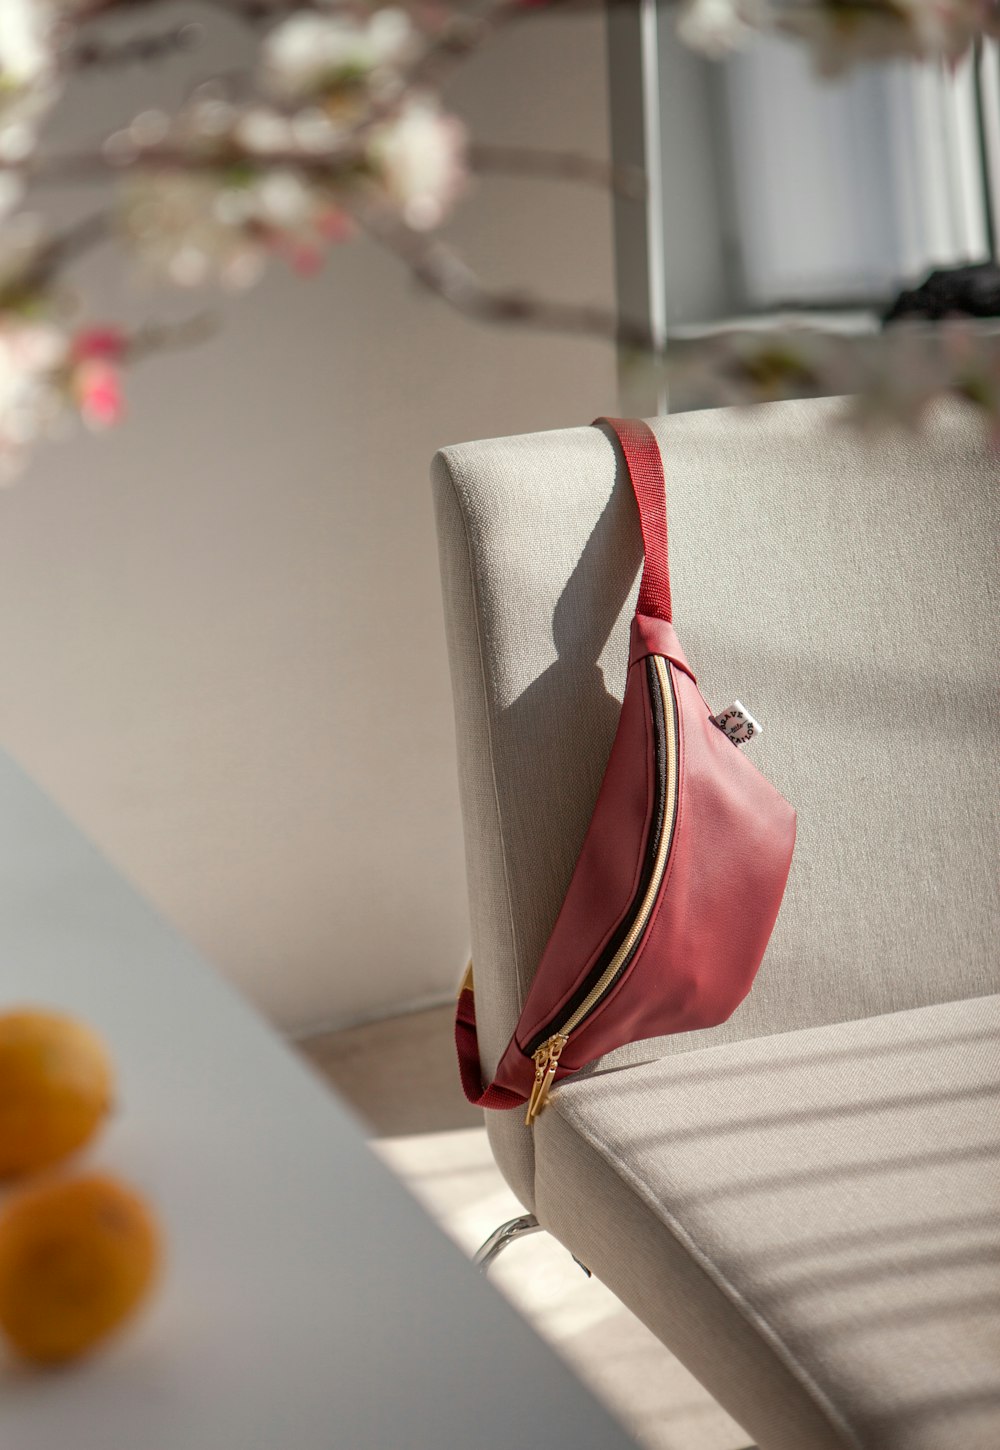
pixel 468 1057
pixel 645 469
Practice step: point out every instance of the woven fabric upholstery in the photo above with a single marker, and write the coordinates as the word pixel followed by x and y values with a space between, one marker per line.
pixel 845 593
pixel 809 1221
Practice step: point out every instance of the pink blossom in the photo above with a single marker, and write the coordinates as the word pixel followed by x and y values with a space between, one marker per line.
pixel 335 225
pixel 304 257
pixel 98 342
pixel 97 387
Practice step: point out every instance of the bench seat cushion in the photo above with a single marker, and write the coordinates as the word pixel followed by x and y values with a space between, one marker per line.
pixel 810 1220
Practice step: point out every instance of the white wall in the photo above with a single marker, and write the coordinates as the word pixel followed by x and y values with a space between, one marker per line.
pixel 220 628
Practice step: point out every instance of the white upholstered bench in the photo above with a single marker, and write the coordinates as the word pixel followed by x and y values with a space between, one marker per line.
pixel 802 1203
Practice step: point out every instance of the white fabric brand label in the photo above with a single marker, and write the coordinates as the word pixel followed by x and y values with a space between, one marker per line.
pixel 737 722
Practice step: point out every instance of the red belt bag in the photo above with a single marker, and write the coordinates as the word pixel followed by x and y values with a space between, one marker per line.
pixel 678 884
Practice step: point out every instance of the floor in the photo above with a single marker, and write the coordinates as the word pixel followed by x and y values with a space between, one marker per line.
pixel 399 1076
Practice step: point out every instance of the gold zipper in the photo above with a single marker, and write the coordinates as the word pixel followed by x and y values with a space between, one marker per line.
pixel 546 1062
pixel 547 1056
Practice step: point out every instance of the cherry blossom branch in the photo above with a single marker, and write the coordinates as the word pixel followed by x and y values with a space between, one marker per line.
pixel 253 11
pixel 343 130
pixel 839 32
pixel 90 54
pixel 462 35
pixel 896 375
pixel 625 181
pixel 51 257
pixel 467 31
pixel 156 337
pixel 259 12
pixel 485 157
pixel 441 271
pixel 81 237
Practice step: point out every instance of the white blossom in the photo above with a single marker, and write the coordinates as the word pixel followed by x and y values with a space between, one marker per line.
pixel 49 377
pixel 913 363
pixel 717 27
pixel 179 230
pixel 759 365
pixel 309 54
pixel 888 379
pixel 196 229
pixel 841 33
pixel 27 73
pixel 419 158
pixel 25 54
pixel 32 401
pixel 264 131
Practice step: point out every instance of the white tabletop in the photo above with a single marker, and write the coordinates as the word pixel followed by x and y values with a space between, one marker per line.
pixel 308 1302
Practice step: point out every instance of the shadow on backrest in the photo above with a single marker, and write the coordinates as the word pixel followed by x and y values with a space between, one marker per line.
pixel 558 733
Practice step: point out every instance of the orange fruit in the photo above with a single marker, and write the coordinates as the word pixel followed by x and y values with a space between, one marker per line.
pixel 77 1257
pixel 56 1083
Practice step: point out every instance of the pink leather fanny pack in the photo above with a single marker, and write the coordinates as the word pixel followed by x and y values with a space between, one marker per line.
pixel 678 884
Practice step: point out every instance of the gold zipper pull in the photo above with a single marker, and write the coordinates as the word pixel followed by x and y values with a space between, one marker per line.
pixel 541 1064
pixel 546 1062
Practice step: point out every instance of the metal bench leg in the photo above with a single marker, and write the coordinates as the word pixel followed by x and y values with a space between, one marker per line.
pixel 515 1228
